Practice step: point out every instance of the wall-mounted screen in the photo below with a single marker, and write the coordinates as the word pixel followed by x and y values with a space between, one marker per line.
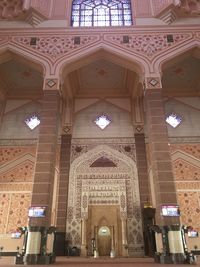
pixel 170 210
pixel 37 212
pixel 193 233
pixel 16 235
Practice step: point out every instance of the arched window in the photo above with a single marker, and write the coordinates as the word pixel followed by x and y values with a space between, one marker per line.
pixel 87 13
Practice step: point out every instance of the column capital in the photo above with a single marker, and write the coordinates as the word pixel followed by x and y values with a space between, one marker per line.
pixel 152 82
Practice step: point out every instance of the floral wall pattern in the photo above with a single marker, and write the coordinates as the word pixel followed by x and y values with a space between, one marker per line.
pixel 186 166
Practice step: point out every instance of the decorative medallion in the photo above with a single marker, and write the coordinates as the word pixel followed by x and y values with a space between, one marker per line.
pixel 139 128
pixel 51 83
pixel 153 82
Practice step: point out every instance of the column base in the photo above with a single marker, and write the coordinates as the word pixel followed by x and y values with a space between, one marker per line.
pixel 96 254
pixel 83 251
pixel 112 253
pixel 34 259
pixel 178 258
pixel 61 245
pixel 19 259
pixel 165 259
pixel 173 258
pixel 124 251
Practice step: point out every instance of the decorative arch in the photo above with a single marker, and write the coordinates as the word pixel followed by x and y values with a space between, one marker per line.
pixel 103 223
pixel 82 165
pixel 101 50
pixel 84 182
pixel 165 58
pixel 27 56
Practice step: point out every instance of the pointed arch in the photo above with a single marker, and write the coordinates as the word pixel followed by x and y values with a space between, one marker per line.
pixel 165 59
pixel 82 164
pixel 27 57
pixel 120 191
pixel 101 50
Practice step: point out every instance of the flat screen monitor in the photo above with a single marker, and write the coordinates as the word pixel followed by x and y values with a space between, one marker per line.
pixel 37 212
pixel 193 233
pixel 170 210
pixel 16 235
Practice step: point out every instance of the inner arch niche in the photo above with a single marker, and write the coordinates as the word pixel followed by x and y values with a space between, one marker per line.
pixel 110 190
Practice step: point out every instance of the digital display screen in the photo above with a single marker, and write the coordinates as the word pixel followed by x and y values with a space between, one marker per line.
pixel 193 233
pixel 170 210
pixel 37 212
pixel 16 235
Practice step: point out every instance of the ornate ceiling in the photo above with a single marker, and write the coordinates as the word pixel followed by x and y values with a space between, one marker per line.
pixel 20 79
pixel 182 78
pixel 99 78
pixel 102 78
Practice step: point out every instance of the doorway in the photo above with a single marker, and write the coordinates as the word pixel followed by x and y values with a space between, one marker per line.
pixel 104 241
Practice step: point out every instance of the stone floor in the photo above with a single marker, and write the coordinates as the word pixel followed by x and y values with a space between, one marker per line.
pixel 100 262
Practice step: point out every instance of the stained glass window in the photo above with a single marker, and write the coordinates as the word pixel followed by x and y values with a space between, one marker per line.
pixel 87 13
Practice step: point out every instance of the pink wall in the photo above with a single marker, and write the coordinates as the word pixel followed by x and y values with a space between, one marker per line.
pixel 142 8
pixel 59 11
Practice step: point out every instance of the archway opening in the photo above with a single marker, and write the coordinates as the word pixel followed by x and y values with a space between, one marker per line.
pixel 181 75
pixel 104 241
pixel 102 73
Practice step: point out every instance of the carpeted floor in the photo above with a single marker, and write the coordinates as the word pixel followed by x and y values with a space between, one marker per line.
pixel 100 262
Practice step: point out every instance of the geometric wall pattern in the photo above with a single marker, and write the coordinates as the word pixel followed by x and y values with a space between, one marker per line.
pixel 16 179
pixel 186 168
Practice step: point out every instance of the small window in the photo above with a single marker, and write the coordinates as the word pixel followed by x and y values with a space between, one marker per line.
pixel 32 122
pixel 102 121
pixel 88 13
pixel 173 119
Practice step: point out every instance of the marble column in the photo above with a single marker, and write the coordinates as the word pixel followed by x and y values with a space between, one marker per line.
pixel 112 240
pixel 83 237
pixel 96 229
pixel 124 238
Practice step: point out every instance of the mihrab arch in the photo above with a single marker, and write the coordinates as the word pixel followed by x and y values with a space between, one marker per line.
pixel 98 192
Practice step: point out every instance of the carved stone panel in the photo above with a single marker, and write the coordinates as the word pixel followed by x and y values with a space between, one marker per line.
pixel 96 185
